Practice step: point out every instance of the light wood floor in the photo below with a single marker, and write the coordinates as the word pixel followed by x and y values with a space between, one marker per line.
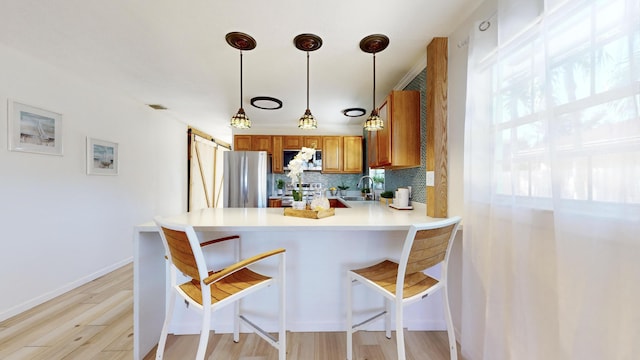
pixel 95 321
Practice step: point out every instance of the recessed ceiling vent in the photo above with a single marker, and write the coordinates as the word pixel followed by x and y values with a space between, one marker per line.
pixel 157 107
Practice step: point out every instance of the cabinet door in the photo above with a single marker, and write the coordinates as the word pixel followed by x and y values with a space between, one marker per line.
pixel 275 203
pixel 383 137
pixel 352 159
pixel 332 154
pixel 372 149
pixel 312 142
pixel 405 129
pixel 242 142
pixel 261 143
pixel 291 142
pixel 277 156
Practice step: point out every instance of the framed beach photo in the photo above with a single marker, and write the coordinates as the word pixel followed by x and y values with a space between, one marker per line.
pixel 102 157
pixel 33 129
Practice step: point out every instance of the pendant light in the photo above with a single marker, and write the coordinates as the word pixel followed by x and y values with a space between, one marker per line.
pixel 242 42
pixel 373 44
pixel 307 42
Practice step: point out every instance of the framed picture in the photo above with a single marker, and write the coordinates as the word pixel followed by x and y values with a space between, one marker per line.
pixel 32 129
pixel 102 157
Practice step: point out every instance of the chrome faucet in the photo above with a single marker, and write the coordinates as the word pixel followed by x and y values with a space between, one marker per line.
pixel 360 184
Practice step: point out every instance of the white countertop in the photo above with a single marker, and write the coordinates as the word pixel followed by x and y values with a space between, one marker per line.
pixel 363 215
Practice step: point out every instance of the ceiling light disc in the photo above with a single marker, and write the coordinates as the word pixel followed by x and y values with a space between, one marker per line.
pixel 354 112
pixel 307 42
pixel 241 41
pixel 266 103
pixel 374 43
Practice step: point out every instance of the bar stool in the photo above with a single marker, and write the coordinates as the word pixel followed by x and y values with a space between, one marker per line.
pixel 404 283
pixel 208 291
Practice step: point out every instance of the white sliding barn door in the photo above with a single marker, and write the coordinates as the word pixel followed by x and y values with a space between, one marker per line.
pixel 205 172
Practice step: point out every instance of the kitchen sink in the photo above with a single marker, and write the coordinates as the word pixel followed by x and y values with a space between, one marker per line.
pixel 354 198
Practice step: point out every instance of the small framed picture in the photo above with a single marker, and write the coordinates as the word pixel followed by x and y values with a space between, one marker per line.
pixel 102 157
pixel 32 129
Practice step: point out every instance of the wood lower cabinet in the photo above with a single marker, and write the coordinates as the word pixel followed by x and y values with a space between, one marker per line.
pixel 335 203
pixel 275 202
pixel 397 146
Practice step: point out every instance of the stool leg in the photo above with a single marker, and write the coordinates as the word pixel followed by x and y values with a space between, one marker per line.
pixel 349 318
pixel 453 347
pixel 204 332
pixel 165 327
pixel 236 321
pixel 282 336
pixel 399 330
pixel 387 318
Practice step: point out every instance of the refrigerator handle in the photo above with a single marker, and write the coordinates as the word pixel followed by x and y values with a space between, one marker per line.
pixel 245 180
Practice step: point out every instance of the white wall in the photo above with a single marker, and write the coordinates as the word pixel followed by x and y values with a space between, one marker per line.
pixel 61 227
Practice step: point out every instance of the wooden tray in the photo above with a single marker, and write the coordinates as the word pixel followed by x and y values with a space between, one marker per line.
pixel 310 214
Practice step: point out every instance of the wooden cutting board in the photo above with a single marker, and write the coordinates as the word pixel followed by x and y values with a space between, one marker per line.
pixel 310 214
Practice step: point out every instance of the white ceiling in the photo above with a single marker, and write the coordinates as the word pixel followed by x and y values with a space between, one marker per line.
pixel 174 53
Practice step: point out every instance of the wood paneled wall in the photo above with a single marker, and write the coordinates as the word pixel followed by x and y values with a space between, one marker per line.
pixel 437 126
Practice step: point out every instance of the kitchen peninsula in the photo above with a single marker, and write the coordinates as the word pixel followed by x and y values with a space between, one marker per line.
pixel 319 252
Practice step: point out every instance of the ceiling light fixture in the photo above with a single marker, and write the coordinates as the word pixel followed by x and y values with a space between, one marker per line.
pixel 266 103
pixel 372 44
pixel 307 42
pixel 354 112
pixel 240 41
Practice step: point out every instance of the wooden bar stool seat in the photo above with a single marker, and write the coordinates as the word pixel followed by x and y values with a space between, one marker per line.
pixel 404 282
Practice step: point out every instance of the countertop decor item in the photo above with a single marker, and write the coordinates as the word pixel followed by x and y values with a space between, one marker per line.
pixel 296 168
pixel 343 189
pixel 310 214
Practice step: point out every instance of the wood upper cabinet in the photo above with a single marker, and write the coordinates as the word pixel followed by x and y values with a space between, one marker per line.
pixel 242 142
pixel 332 148
pixel 397 146
pixel 291 142
pixel 312 142
pixel 342 154
pixel 261 143
pixel 277 157
pixel 252 143
pixel 352 155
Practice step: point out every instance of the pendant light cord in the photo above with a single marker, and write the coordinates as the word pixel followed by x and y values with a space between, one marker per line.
pixel 241 79
pixel 374 81
pixel 307 80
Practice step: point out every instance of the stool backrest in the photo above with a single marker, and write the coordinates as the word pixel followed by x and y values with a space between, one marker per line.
pixel 427 245
pixel 183 249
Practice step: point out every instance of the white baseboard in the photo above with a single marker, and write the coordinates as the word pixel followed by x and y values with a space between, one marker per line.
pixel 57 292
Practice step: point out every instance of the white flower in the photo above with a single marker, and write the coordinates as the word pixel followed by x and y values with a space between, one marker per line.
pixel 296 165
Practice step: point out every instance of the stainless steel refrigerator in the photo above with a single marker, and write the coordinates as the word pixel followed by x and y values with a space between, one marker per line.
pixel 246 179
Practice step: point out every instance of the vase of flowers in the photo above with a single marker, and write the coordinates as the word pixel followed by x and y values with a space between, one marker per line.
pixel 296 168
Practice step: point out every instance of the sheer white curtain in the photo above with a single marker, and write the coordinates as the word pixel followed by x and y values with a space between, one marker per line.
pixel 552 182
